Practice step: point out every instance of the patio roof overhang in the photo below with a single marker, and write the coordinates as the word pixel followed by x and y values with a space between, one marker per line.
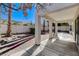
pixel 64 15
pixel 68 14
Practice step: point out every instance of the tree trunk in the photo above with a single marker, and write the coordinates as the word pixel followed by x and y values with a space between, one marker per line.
pixel 9 21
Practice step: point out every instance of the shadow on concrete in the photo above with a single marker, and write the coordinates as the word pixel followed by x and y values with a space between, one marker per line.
pixel 53 47
pixel 59 48
pixel 30 51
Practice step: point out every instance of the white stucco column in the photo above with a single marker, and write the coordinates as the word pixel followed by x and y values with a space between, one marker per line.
pixel 38 31
pixel 56 30
pixel 50 29
pixel 70 27
pixel 38 27
pixel 73 29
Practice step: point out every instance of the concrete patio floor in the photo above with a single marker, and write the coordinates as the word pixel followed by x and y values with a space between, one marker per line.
pixel 64 46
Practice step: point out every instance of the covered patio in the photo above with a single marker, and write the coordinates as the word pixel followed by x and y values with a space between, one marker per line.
pixel 66 14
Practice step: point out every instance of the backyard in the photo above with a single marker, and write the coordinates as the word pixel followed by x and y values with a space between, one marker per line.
pixel 29 29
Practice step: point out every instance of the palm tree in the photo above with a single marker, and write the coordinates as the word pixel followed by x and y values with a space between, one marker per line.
pixel 7 8
pixel 23 7
pixel 9 21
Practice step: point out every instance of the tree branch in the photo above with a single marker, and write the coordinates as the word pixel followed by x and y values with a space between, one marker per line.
pixel 9 7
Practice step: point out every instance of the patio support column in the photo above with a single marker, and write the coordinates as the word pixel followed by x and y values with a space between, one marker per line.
pixel 73 29
pixel 38 27
pixel 56 30
pixel 70 27
pixel 50 29
pixel 37 31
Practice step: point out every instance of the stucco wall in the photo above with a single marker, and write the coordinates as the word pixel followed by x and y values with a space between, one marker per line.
pixel 15 29
pixel 25 29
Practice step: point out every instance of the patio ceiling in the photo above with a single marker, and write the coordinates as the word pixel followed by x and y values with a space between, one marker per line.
pixel 63 13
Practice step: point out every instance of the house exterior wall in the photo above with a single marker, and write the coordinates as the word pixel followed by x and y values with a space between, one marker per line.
pixel 63 28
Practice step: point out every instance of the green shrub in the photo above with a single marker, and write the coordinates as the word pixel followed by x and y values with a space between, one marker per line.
pixel 32 30
pixel 25 24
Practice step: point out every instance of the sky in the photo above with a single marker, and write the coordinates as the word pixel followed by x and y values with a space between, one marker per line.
pixel 19 16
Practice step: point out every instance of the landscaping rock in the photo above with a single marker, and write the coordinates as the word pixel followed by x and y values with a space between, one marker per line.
pixel 2 42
